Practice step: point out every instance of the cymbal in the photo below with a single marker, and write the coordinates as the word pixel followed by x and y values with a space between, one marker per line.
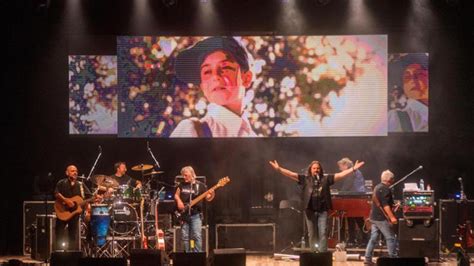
pixel 142 167
pixel 98 178
pixel 153 173
pixel 106 181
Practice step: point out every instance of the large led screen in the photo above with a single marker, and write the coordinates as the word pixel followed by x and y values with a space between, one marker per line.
pixel 252 86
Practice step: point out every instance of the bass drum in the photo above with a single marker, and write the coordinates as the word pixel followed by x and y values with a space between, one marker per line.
pixel 124 219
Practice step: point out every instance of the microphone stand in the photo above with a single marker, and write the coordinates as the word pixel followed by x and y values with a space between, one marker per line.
pixel 405 177
pixel 463 195
pixel 95 163
pixel 44 222
pixel 152 155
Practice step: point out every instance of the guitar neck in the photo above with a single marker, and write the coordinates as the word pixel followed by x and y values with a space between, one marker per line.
pixel 202 196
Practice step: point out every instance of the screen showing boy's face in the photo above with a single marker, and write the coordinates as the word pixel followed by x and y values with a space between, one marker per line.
pixel 221 79
pixel 287 86
pixel 415 82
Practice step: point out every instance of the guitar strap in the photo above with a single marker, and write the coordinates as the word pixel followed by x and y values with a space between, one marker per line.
pixel 377 203
pixel 82 190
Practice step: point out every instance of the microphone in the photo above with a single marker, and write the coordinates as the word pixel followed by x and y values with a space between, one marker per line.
pixel 49 175
pixel 148 145
pixel 460 179
pixel 100 149
pixel 420 167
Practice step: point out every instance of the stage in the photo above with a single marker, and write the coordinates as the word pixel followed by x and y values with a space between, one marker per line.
pixel 252 260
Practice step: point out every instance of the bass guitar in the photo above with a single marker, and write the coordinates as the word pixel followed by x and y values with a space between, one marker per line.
pixel 181 216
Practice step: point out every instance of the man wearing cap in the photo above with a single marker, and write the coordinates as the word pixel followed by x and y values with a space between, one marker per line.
pixel 220 66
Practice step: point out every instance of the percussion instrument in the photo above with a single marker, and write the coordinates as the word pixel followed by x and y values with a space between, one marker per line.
pixel 100 221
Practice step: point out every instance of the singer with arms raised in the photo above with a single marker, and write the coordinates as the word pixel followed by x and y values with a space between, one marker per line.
pixel 185 193
pixel 382 217
pixel 316 197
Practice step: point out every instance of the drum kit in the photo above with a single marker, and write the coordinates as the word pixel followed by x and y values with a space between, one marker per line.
pixel 118 214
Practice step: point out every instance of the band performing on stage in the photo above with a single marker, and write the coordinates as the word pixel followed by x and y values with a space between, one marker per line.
pixel 110 215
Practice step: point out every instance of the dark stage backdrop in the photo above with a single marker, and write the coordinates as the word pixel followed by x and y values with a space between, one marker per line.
pixel 35 108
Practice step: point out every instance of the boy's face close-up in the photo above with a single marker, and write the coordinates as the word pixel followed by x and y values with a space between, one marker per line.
pixel 415 82
pixel 222 80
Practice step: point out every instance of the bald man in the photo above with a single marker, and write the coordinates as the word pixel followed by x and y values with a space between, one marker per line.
pixel 67 188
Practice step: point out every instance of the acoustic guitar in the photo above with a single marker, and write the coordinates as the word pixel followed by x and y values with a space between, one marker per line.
pixel 65 213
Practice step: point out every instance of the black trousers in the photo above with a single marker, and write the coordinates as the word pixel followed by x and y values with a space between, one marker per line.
pixel 68 235
pixel 355 235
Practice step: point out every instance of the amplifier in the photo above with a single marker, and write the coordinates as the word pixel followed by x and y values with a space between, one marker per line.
pixel 419 239
pixel 451 214
pixel 418 204
pixel 178 245
pixel 255 237
pixel 30 210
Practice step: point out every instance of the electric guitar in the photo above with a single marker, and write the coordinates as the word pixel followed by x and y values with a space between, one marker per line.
pixel 65 213
pixel 181 216
pixel 142 231
pixel 160 235
pixel 394 208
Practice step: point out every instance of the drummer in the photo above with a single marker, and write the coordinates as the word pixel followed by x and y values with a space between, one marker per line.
pixel 122 178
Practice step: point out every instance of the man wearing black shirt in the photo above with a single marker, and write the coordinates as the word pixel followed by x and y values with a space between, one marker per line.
pixel 316 197
pixel 122 177
pixel 66 188
pixel 127 183
pixel 382 217
pixel 185 193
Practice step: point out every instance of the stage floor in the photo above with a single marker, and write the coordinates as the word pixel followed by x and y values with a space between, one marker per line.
pixel 252 260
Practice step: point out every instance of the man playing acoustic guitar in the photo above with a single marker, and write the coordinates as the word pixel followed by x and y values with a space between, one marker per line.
pixel 66 189
pixel 382 217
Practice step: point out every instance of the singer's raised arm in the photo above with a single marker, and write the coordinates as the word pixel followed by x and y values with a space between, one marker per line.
pixel 283 171
pixel 342 174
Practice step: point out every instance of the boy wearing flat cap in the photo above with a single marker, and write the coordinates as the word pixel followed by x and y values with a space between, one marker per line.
pixel 220 66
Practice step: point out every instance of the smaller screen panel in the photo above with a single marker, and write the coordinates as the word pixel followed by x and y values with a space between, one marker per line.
pixel 93 97
pixel 408 92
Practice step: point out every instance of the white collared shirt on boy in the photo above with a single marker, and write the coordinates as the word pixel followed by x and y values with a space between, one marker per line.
pixel 221 121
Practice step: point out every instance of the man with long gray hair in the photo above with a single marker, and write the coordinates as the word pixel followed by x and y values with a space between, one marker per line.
pixel 188 190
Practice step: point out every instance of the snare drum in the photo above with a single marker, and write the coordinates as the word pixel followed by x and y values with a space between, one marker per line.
pixel 125 219
pixel 100 222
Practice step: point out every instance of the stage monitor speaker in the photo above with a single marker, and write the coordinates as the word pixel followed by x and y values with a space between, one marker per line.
pixel 312 258
pixel 44 239
pixel 30 210
pixel 65 258
pixel 419 240
pixel 145 257
pixel 102 262
pixel 229 257
pixel 401 261
pixel 187 259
